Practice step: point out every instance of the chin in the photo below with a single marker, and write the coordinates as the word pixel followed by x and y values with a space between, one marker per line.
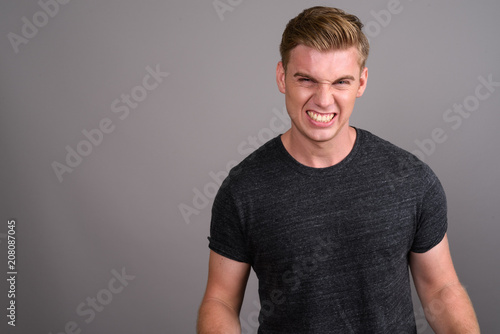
pixel 325 136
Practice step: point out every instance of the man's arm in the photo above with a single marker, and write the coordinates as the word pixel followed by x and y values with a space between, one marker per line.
pixel 446 304
pixel 220 308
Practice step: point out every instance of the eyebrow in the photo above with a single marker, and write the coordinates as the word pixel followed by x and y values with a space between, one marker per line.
pixel 300 74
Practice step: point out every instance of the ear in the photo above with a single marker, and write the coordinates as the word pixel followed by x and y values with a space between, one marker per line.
pixel 280 77
pixel 362 82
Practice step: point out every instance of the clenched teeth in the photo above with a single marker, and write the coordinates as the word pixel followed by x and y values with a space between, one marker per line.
pixel 320 118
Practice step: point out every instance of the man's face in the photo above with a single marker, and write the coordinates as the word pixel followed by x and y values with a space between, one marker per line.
pixel 320 90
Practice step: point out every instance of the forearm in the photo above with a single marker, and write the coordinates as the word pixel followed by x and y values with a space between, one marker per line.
pixel 450 310
pixel 216 317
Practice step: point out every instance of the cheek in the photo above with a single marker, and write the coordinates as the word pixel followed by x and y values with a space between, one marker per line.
pixel 298 96
pixel 347 98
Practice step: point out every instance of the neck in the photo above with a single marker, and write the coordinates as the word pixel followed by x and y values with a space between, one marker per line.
pixel 319 154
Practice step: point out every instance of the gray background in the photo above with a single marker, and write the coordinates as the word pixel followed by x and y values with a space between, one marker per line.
pixel 120 208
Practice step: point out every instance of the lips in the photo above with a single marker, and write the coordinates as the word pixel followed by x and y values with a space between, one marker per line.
pixel 321 118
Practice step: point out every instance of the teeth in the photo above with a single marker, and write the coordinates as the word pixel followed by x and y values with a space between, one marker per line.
pixel 319 117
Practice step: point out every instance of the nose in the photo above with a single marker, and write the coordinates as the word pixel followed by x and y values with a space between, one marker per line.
pixel 323 96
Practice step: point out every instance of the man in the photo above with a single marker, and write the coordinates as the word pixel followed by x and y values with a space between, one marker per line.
pixel 330 217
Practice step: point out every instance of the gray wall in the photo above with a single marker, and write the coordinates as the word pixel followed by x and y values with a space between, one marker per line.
pixel 115 210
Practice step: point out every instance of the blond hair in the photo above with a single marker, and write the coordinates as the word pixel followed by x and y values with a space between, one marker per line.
pixel 324 29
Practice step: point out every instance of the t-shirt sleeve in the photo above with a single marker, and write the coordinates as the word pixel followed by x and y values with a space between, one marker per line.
pixel 227 236
pixel 432 221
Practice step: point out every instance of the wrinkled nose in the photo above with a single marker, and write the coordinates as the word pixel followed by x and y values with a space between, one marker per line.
pixel 323 96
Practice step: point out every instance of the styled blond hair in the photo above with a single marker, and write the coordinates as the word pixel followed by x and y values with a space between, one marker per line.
pixel 324 29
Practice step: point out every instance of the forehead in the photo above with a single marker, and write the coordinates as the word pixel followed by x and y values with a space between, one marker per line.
pixel 324 64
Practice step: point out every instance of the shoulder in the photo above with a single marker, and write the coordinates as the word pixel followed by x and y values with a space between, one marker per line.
pixel 376 146
pixel 260 166
pixel 392 159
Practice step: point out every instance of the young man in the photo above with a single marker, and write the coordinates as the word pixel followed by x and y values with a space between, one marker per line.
pixel 330 217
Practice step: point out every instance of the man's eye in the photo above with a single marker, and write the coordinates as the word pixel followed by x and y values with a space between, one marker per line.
pixel 306 82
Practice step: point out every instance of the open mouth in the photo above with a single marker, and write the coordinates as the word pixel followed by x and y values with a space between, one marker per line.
pixel 322 118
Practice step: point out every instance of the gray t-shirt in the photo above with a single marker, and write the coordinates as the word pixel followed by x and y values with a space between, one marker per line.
pixel 330 245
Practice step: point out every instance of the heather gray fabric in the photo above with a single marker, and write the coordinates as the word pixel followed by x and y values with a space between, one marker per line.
pixel 330 245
